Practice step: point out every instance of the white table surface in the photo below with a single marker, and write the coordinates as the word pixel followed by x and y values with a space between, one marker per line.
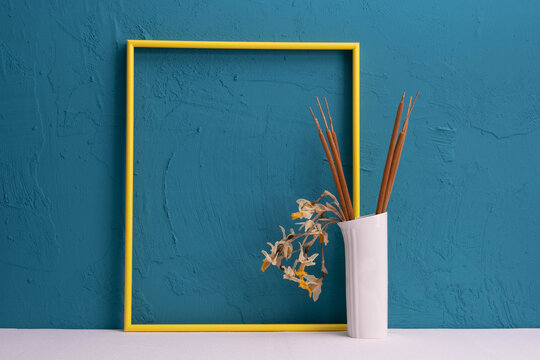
pixel 400 344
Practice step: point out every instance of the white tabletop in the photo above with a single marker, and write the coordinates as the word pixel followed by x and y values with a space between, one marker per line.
pixel 400 344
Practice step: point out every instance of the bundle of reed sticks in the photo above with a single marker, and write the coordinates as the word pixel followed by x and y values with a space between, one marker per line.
pixel 334 160
pixel 394 155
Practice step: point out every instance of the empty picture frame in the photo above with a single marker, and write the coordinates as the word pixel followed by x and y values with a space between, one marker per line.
pixel 354 48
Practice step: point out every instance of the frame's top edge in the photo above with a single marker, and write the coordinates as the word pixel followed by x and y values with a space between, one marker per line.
pixel 245 45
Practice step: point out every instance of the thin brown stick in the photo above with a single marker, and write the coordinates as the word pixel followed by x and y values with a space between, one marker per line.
pixel 332 127
pixel 409 111
pixel 330 162
pixel 341 175
pixel 387 190
pixel 397 153
pixel 329 116
pixel 393 169
pixel 334 136
pixel 322 112
pixel 389 156
pixel 332 140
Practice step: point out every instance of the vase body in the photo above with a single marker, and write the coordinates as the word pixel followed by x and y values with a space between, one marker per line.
pixel 366 261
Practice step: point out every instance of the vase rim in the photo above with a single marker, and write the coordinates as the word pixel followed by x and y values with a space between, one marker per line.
pixel 359 219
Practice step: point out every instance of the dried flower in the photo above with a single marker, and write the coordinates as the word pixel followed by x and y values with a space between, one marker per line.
pixel 314 227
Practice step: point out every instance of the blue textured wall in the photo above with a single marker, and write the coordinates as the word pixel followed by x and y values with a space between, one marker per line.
pixel 463 244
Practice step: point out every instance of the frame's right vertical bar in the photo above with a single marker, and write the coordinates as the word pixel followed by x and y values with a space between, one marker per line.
pixel 129 185
pixel 356 128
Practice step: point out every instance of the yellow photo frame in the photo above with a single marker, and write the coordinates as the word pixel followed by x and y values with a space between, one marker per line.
pixel 131 45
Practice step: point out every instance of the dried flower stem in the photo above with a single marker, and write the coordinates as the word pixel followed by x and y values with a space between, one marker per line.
pixel 314 228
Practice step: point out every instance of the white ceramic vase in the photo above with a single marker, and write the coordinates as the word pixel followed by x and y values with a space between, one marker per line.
pixel 366 260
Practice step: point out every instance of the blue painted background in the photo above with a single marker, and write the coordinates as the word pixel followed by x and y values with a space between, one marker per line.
pixel 463 244
pixel 224 145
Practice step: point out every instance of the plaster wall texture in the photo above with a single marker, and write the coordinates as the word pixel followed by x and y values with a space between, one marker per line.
pixel 224 145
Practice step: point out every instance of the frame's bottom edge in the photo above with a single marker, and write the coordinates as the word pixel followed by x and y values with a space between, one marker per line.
pixel 232 327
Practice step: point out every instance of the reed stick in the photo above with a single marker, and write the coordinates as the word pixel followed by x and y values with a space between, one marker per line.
pixel 334 136
pixel 393 169
pixel 332 140
pixel 331 163
pixel 329 116
pixel 397 153
pixel 406 123
pixel 341 175
pixel 389 156
pixel 332 128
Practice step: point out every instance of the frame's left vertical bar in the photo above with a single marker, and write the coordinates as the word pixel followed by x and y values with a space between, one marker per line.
pixel 129 185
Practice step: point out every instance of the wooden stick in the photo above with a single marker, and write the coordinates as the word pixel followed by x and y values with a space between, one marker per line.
pixel 332 127
pixel 329 116
pixel 393 170
pixel 385 192
pixel 389 156
pixel 341 175
pixel 331 163
pixel 332 140
pixel 397 152
pixel 409 111
pixel 337 146
pixel 322 112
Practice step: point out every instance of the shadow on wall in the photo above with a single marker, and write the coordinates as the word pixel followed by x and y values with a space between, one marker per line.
pixel 116 259
pixel 105 277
